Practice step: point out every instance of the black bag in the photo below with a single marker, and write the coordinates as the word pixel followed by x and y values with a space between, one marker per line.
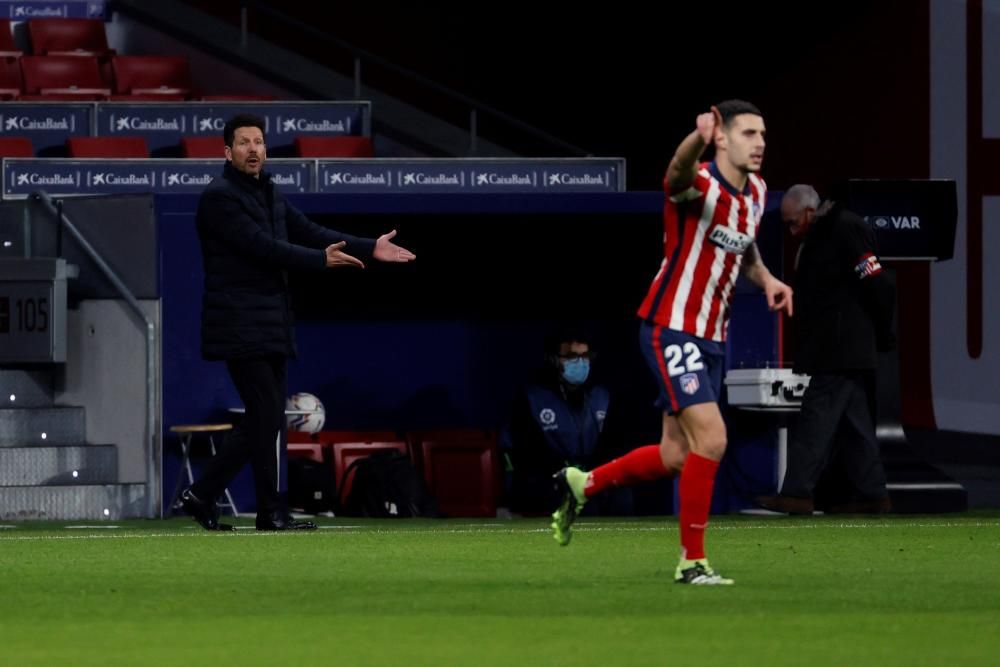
pixel 311 486
pixel 386 485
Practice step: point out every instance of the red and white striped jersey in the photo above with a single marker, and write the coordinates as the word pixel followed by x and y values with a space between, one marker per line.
pixel 706 229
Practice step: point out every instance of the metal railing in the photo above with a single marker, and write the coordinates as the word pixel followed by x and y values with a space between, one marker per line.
pixel 152 470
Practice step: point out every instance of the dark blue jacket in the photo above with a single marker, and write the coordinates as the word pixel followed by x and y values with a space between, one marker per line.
pixel 550 429
pixel 250 237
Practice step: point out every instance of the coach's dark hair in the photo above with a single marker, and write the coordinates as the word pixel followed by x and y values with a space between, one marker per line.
pixel 238 121
pixel 732 108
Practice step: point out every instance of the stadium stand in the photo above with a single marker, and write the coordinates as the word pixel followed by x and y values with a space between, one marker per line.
pixel 63 75
pixel 107 147
pixel 154 75
pixel 69 37
pixel 238 98
pixel 8 49
pixel 16 147
pixel 338 146
pixel 11 81
pixel 204 147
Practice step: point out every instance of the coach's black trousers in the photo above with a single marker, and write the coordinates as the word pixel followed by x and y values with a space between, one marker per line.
pixel 261 386
pixel 836 420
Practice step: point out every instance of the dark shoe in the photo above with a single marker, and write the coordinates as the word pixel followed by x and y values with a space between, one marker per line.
pixel 282 521
pixel 785 504
pixel 699 573
pixel 206 514
pixel 880 506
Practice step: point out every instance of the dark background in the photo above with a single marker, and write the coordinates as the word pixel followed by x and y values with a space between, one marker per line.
pixel 843 86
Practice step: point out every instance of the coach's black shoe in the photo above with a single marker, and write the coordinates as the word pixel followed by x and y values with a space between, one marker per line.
pixel 880 506
pixel 206 514
pixel 281 520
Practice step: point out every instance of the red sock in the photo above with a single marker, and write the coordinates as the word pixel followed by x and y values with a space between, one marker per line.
pixel 640 465
pixel 697 480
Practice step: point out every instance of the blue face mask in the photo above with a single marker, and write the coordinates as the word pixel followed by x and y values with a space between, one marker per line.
pixel 576 371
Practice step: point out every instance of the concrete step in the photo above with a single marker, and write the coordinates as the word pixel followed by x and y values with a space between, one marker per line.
pixel 25 389
pixel 72 465
pixel 72 503
pixel 21 427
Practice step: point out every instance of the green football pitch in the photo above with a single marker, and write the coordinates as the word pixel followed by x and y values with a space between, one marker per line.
pixel 809 591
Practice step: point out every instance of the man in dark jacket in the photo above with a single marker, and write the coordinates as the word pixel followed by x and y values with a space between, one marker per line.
pixel 250 238
pixel 558 421
pixel 843 317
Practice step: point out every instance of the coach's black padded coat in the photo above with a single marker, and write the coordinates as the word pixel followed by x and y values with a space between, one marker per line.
pixel 250 237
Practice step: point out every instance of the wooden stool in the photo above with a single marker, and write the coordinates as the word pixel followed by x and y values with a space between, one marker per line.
pixel 187 433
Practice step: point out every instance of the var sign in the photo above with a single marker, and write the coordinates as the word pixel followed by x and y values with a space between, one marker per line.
pixel 895 221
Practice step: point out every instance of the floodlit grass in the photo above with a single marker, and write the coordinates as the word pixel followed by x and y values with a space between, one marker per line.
pixel 809 591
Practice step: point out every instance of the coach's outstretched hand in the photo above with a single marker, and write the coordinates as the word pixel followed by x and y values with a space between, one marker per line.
pixel 387 251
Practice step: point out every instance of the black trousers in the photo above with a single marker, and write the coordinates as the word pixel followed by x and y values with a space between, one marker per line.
pixel 261 386
pixel 836 423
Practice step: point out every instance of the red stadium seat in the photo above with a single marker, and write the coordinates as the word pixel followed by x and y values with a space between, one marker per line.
pixel 346 453
pixel 16 147
pixel 62 75
pixel 460 468
pixel 339 146
pixel 11 83
pixel 238 98
pixel 331 437
pixel 147 98
pixel 71 37
pixel 305 450
pixel 152 75
pixel 107 147
pixel 8 49
pixel 205 147
pixel 64 95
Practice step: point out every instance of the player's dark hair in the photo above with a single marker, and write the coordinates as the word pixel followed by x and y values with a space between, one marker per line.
pixel 732 108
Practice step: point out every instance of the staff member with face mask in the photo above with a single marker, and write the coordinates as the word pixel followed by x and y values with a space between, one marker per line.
pixel 558 420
